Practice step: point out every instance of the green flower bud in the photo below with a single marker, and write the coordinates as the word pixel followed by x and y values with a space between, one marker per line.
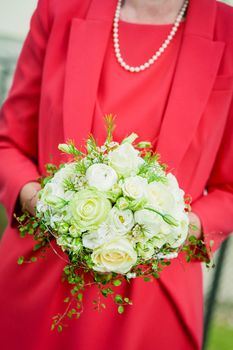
pixel 122 203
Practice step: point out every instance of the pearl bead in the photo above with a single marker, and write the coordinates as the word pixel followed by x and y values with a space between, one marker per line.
pixel 158 53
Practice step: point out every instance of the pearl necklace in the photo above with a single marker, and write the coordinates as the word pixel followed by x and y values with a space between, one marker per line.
pixel 157 54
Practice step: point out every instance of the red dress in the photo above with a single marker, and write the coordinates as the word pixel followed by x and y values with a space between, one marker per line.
pixel 140 97
pixel 52 99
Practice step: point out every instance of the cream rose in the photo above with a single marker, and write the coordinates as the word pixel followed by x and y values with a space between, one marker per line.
pixel 134 187
pixel 116 256
pixel 125 160
pixel 89 209
pixel 101 176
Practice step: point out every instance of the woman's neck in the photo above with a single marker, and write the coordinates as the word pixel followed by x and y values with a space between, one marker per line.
pixel 151 11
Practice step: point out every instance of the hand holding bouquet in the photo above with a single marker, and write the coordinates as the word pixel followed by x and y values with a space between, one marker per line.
pixel 115 212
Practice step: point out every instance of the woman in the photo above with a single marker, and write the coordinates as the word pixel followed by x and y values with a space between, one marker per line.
pixel 68 76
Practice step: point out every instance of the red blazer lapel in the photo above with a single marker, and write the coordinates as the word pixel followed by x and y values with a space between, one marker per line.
pixel 87 45
pixel 195 74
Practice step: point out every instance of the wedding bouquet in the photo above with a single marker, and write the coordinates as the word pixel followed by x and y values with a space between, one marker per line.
pixel 115 211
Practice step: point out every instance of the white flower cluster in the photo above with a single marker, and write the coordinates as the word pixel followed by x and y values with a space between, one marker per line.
pixel 113 211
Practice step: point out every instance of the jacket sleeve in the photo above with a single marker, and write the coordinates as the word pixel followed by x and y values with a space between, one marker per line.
pixel 19 113
pixel 216 208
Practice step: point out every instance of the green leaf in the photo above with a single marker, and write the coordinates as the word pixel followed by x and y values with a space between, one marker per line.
pixel 144 144
pixel 126 300
pixel 106 292
pixel 33 259
pixel 20 260
pixel 118 299
pixel 211 243
pixel 66 300
pixel 121 309
pixel 146 279
pixel 59 328
pixel 155 275
pixel 37 247
pixel 80 297
pixel 117 283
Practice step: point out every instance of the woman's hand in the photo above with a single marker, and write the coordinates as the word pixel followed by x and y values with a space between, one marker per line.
pixel 28 196
pixel 195 221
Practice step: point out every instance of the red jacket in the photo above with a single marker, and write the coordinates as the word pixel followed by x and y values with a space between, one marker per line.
pixel 52 99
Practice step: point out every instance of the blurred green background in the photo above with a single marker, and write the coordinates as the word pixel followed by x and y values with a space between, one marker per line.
pixel 12 31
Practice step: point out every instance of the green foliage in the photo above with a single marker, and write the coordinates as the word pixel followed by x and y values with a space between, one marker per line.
pixel 117 283
pixel 121 309
pixel 20 260
pixel 109 122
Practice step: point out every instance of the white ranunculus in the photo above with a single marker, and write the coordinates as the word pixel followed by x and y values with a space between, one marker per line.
pixel 160 197
pixel 176 235
pixel 149 221
pixel 94 239
pixel 134 187
pixel 173 235
pixel 53 195
pixel 115 256
pixel 125 160
pixel 41 206
pixel 64 173
pixel 120 221
pixel 101 176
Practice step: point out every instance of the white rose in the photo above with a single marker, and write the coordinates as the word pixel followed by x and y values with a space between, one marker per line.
pixel 120 221
pixel 125 160
pixel 135 187
pixel 160 197
pixel 116 256
pixel 99 237
pixel 150 222
pixel 177 192
pixel 101 176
